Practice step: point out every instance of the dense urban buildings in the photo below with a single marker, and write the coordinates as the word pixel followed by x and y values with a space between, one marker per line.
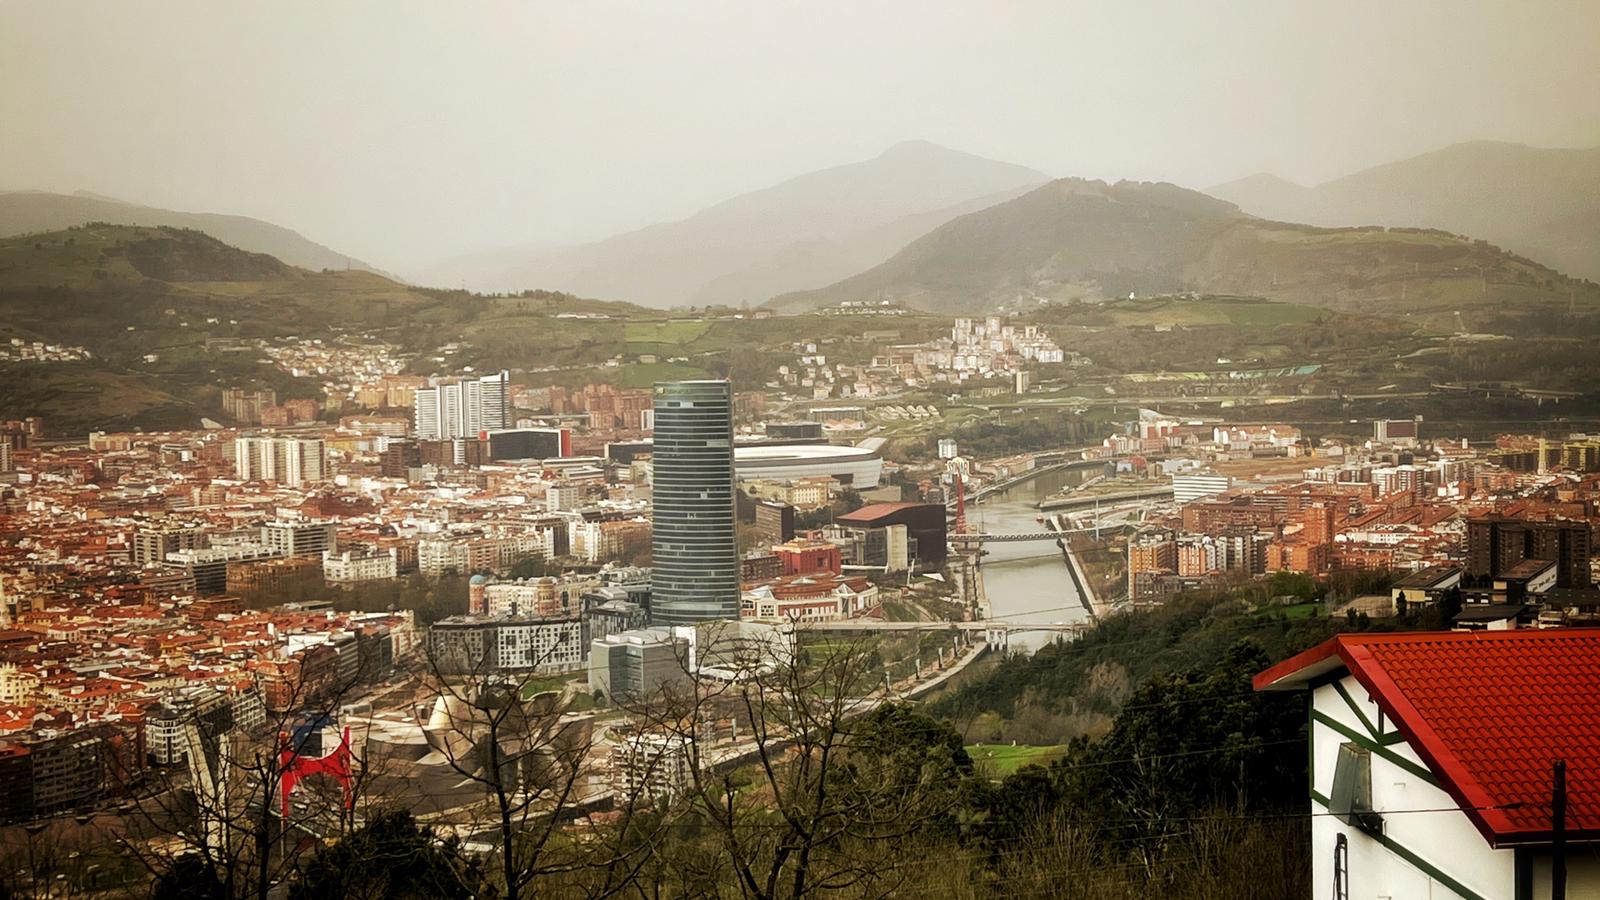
pixel 694 551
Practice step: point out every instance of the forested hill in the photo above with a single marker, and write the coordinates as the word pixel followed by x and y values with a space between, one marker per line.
pixel 1073 689
pixel 1087 239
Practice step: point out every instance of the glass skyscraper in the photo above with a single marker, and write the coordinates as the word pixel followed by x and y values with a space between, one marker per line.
pixel 695 555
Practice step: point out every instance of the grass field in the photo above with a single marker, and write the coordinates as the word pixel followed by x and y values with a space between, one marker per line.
pixel 674 331
pixel 579 701
pixel 1005 759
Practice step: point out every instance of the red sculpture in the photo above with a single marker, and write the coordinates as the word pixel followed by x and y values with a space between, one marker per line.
pixel 297 768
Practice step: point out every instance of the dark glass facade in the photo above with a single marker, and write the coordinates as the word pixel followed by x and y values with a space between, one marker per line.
pixel 694 554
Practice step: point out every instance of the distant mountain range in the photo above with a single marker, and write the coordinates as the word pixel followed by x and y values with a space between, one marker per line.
pixel 1085 239
pixel 1541 203
pixel 806 232
pixel 27 212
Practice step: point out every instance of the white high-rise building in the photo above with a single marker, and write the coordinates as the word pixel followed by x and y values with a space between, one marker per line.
pixel 462 409
pixel 291 461
pixel 494 401
pixel 425 404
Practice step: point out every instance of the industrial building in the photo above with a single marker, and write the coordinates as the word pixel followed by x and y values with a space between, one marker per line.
pixel 892 536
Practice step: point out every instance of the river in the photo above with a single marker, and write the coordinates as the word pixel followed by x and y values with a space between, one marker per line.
pixel 1027 581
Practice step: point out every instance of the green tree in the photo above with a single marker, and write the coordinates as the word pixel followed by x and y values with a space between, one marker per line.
pixel 1196 741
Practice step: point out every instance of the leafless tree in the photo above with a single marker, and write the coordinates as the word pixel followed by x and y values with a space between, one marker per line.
pixel 224 807
pixel 798 806
pixel 533 761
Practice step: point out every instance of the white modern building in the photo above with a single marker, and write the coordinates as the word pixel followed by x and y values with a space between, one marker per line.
pixel 1198 486
pixel 482 645
pixel 1433 759
pixel 540 645
pixel 856 467
pixel 563 497
pixel 301 537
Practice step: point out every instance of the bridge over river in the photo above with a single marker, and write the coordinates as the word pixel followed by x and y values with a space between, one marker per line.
pixel 995 633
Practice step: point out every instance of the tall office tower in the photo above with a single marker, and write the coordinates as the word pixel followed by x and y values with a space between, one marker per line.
pixel 494 401
pixel 254 459
pixel 695 566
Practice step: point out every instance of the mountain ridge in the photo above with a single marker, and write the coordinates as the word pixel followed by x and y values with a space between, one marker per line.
pixel 28 211
pixel 1540 202
pixel 1083 239
pixel 755 244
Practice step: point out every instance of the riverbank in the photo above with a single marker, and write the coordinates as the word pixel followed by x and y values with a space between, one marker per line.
pixel 1080 582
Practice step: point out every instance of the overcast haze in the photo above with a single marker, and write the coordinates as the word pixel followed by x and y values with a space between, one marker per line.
pixel 402 133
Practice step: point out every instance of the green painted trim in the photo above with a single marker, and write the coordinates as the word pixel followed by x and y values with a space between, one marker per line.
pixel 1416 861
pixel 1367 743
pixel 1387 738
pixel 1398 850
pixel 1351 702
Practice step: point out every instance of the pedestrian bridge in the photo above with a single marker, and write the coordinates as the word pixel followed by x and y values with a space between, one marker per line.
pixel 975 537
pixel 985 537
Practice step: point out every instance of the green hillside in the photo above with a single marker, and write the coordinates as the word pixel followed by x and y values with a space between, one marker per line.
pixel 170 317
pixel 173 316
pixel 1076 239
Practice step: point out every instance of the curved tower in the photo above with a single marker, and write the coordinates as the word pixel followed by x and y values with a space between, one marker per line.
pixel 694 553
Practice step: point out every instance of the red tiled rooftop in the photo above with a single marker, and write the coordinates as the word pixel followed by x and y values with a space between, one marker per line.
pixel 1488 711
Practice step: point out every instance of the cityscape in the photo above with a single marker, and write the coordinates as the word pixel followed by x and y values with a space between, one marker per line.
pixel 926 525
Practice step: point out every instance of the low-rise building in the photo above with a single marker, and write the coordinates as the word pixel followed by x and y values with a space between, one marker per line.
pixel 352 566
pixel 810 598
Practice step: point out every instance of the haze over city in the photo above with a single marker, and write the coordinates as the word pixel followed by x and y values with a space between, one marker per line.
pixel 406 134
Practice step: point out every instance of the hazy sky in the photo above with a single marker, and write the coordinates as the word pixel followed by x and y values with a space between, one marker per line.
pixel 404 132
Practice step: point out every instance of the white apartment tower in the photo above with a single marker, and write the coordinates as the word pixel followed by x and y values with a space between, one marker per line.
pixel 494 401
pixel 463 407
pixel 291 461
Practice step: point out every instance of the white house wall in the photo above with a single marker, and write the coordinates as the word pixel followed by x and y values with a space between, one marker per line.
pixel 1422 855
